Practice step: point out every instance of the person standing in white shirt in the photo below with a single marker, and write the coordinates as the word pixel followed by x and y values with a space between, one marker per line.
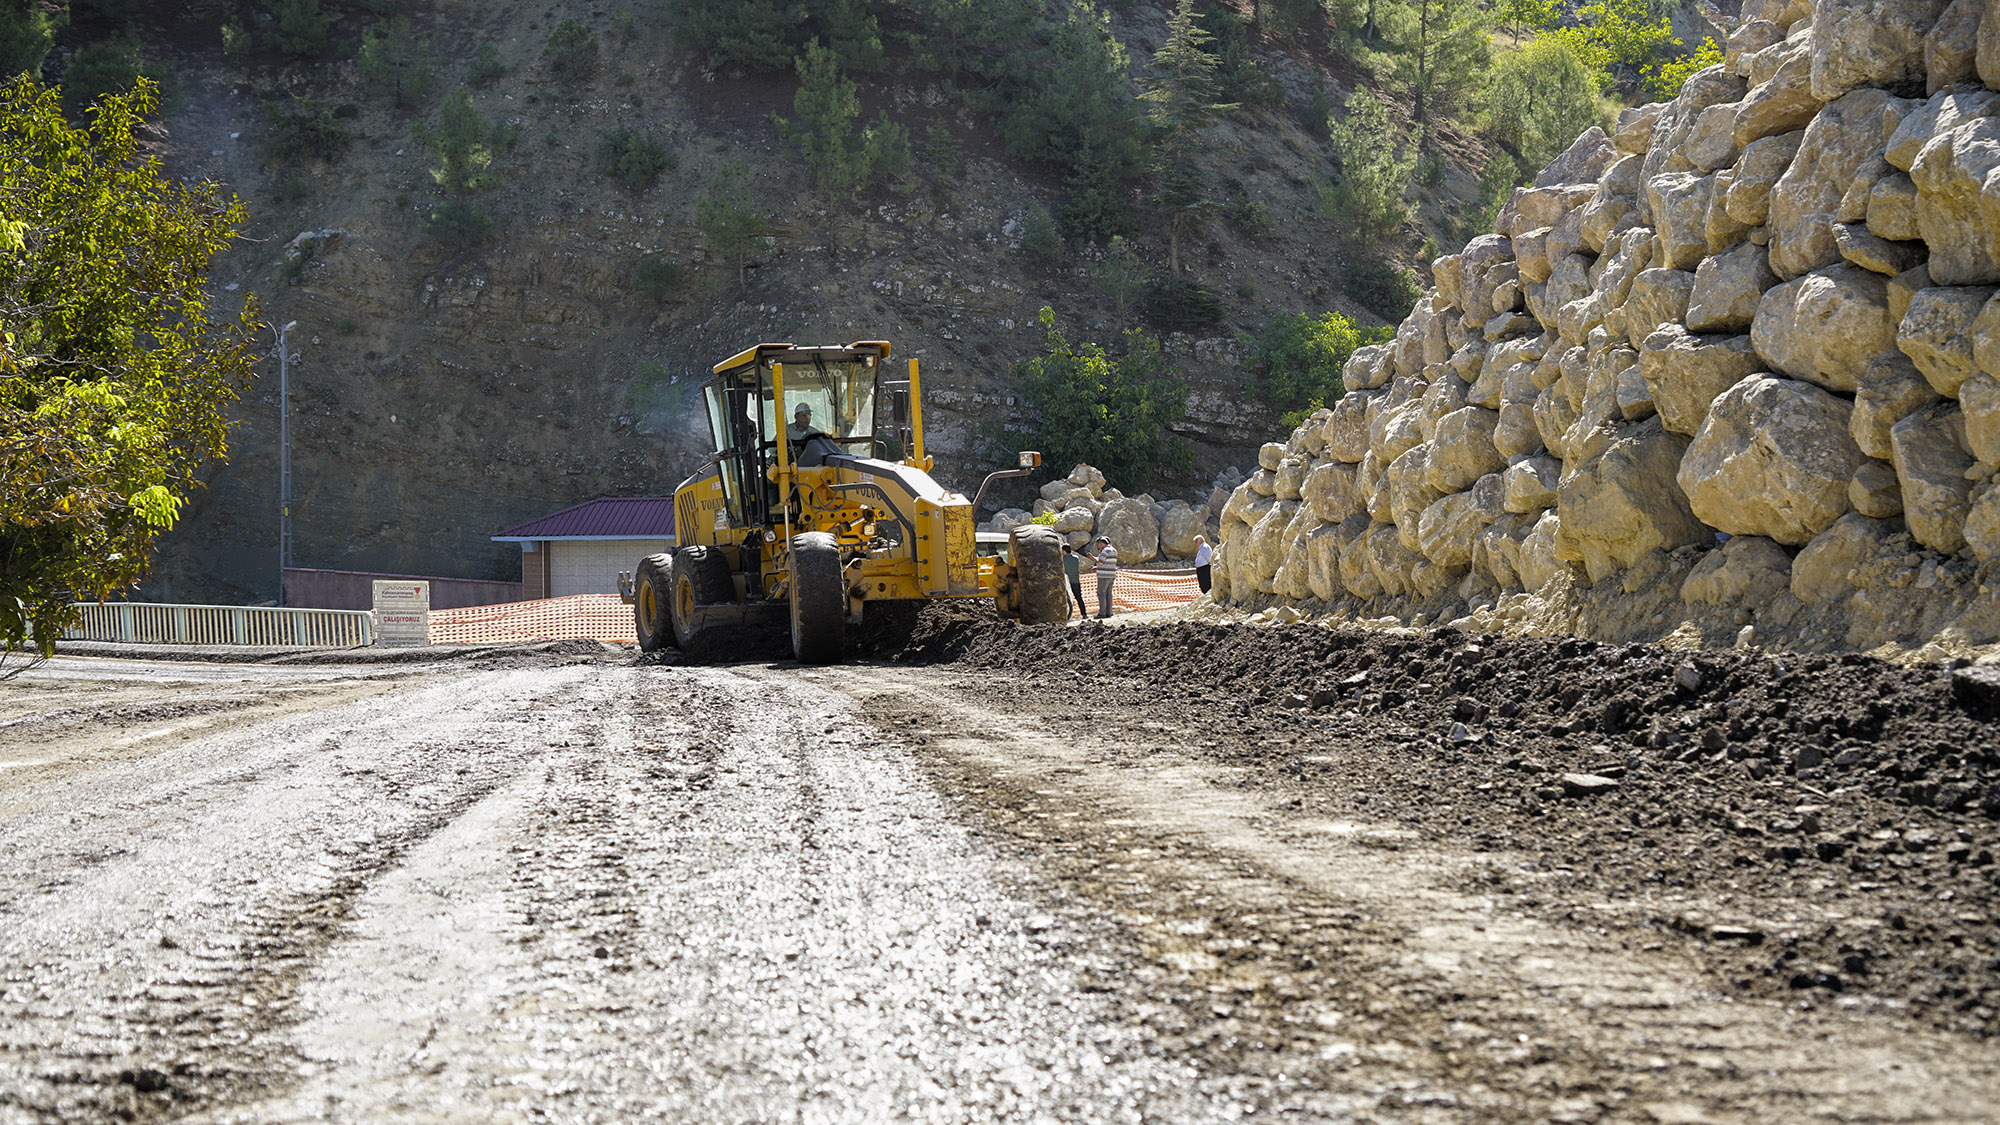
pixel 1203 556
pixel 1106 558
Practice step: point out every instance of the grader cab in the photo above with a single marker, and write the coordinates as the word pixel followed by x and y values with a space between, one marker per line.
pixel 819 500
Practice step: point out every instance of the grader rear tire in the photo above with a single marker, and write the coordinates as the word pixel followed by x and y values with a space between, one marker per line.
pixel 1038 575
pixel 819 599
pixel 649 603
pixel 699 577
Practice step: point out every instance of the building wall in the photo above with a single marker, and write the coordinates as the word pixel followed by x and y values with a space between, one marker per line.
pixel 591 566
pixel 535 572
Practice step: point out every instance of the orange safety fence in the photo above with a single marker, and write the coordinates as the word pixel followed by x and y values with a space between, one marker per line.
pixel 598 617
pixel 1135 590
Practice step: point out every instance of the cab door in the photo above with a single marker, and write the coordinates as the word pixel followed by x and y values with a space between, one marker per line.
pixel 730 425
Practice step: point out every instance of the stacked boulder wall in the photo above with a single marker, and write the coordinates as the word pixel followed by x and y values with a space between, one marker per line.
pixel 1735 363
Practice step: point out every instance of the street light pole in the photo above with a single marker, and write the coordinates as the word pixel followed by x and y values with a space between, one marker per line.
pixel 284 457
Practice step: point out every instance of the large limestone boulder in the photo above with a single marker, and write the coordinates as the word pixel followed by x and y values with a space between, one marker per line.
pixel 1264 550
pixel 1843 139
pixel 1409 491
pixel 1772 459
pixel 1951 47
pixel 1666 150
pixel 1178 527
pixel 1757 171
pixel 1782 100
pixel 1270 455
pixel 1447 528
pixel 1686 372
pixel 1389 560
pixel 1957 215
pixel 1078 518
pixel 1496 552
pixel 1529 486
pixel 1937 333
pixel 1979 398
pixel 1680 202
pixel 1931 461
pixel 1892 208
pixel 1329 489
pixel 1538 561
pixel 1659 296
pixel 1728 287
pixel 1875 492
pixel 1463 449
pixel 1869 43
pixel 1939 114
pixel 1347 431
pixel 1293 577
pixel 1749 571
pixel 1397 430
pixel 1322 550
pixel 1826 326
pixel 1291 474
pixel 1982 521
pixel 1582 162
pixel 1624 503
pixel 1890 390
pixel 1824 572
pixel 1087 477
pixel 1355 575
pixel 1554 416
pixel 1133 529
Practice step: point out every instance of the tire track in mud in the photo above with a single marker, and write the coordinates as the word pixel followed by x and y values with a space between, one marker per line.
pixel 1342 967
pixel 139 980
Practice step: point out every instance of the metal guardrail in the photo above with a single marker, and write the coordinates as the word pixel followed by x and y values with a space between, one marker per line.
pixel 148 623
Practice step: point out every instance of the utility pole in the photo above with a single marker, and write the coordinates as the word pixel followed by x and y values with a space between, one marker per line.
pixel 284 457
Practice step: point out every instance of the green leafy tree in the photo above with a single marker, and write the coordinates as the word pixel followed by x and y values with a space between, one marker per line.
pixel 1115 413
pixel 113 376
pixel 1541 97
pixel 398 63
pixel 1610 35
pixel 1295 361
pixel 1180 104
pixel 1523 16
pixel 1672 75
pixel 299 28
pixel 732 218
pixel 1367 202
pixel 1438 51
pixel 572 51
pixel 26 34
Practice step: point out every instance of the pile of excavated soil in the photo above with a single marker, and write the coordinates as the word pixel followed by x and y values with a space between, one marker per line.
pixel 1739 784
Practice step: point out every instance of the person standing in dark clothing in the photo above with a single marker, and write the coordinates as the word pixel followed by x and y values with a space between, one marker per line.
pixel 1073 570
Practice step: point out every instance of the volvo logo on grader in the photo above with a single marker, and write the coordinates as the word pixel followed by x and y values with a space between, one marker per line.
pixel 824 502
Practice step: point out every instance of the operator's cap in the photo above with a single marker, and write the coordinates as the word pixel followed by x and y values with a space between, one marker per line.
pixel 1104 539
pixel 803 409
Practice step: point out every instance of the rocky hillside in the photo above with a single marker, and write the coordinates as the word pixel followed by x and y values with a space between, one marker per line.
pixel 441 394
pixel 1732 372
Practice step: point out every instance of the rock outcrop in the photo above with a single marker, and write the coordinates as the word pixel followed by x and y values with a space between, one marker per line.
pixel 1753 377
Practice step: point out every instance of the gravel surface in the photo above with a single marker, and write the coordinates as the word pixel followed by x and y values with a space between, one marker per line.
pixel 985 873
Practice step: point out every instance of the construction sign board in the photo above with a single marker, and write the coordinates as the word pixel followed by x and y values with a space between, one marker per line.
pixel 402 613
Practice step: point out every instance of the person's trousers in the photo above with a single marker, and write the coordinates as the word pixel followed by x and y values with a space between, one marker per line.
pixel 1201 577
pixel 1104 580
pixel 1076 591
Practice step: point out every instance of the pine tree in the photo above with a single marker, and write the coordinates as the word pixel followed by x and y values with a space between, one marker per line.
pixel 1180 104
pixel 756 35
pixel 398 63
pixel 26 34
pixel 1439 51
pixel 1367 200
pixel 731 217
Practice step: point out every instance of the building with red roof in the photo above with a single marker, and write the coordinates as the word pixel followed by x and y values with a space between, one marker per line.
pixel 582 548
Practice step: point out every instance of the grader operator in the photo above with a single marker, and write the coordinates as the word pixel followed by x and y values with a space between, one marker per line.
pixel 818 501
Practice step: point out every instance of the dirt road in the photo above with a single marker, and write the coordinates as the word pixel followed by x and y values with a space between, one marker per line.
pixel 987 883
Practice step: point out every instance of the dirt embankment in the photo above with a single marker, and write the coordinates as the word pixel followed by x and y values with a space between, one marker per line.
pixel 1838 815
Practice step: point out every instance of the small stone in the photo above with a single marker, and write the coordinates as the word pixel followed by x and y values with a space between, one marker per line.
pixel 1296 702
pixel 1688 677
pixel 1746 637
pixel 1744 934
pixel 1586 784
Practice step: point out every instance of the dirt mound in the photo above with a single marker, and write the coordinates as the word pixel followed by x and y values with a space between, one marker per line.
pixel 1747 782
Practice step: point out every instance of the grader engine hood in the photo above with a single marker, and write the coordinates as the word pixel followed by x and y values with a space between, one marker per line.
pixel 940 520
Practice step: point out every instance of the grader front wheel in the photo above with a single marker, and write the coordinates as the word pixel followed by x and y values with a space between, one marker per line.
pixel 1038 575
pixel 819 599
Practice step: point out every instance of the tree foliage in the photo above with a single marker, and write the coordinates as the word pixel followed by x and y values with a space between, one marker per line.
pixel 109 65
pixel 1667 81
pixel 113 376
pixel 1541 99
pixel 1073 110
pixel 571 51
pixel 1180 100
pixel 299 28
pixel 1295 361
pixel 1367 201
pixel 463 145
pixel 633 155
pixel 731 217
pixel 764 35
pixel 26 34
pixel 398 64
pixel 1112 412
pixel 1439 54
pixel 840 158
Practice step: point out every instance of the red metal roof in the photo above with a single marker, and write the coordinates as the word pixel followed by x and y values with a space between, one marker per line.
pixel 607 517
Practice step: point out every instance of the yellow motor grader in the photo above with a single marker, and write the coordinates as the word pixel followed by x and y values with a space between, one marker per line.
pixel 818 501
